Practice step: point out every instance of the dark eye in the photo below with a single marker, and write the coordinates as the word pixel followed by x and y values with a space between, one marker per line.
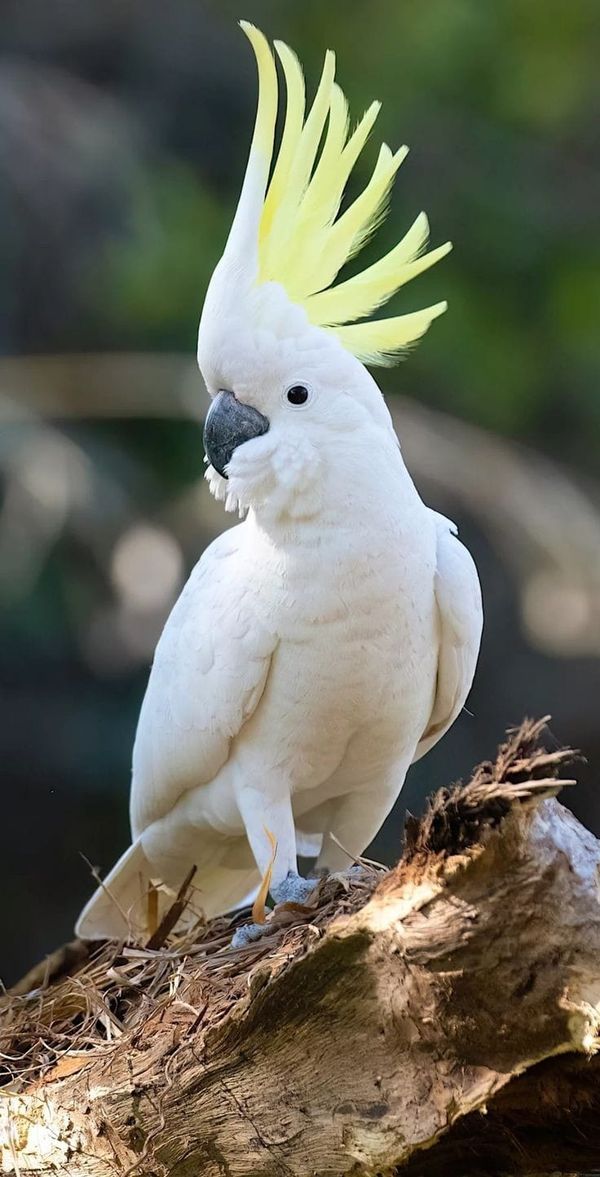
pixel 297 394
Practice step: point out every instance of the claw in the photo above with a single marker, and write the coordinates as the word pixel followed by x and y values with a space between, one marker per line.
pixel 293 890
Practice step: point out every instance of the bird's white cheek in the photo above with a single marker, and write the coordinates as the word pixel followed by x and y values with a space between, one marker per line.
pixel 217 484
pixel 273 474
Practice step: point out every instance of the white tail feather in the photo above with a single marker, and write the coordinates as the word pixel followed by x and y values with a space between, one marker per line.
pixel 118 908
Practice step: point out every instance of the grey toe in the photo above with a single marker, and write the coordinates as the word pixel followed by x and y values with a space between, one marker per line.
pixel 247 934
pixel 293 889
pixel 351 872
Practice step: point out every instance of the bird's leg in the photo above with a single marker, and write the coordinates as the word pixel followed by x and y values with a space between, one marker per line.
pixel 269 824
pixel 354 822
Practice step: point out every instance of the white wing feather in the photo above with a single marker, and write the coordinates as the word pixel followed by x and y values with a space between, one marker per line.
pixel 210 670
pixel 458 598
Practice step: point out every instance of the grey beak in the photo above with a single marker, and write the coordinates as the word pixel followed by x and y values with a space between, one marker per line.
pixel 229 424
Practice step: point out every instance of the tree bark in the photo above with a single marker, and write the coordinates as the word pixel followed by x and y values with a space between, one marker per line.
pixel 446 1026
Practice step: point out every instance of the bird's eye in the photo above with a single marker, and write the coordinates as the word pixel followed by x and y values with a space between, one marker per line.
pixel 297 395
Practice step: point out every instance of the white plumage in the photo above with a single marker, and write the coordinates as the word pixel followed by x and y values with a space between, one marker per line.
pixel 318 648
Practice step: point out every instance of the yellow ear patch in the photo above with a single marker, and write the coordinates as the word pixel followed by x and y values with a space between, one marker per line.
pixel 303 242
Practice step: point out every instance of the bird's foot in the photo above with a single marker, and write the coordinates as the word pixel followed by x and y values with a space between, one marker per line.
pixel 248 933
pixel 343 876
pixel 293 889
pixel 324 874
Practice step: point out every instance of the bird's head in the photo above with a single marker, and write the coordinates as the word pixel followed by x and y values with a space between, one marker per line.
pixel 281 348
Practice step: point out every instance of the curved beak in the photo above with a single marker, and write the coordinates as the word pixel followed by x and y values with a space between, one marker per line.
pixel 229 424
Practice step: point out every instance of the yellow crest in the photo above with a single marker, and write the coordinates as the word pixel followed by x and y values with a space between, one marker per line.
pixel 303 239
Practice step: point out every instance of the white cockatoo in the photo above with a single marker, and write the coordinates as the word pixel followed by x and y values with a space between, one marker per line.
pixel 329 640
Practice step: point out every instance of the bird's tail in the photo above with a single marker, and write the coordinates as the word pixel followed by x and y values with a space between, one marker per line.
pixel 119 909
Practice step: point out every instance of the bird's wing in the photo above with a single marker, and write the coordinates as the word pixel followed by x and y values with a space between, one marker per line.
pixel 210 670
pixel 458 599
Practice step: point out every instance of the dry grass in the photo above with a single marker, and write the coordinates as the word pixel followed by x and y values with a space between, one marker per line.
pixel 83 1000
pixel 523 772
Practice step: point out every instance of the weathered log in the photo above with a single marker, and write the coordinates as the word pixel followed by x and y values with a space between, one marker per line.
pixel 439 1018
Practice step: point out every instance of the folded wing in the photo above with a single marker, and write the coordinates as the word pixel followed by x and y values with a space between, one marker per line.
pixel 458 599
pixel 210 670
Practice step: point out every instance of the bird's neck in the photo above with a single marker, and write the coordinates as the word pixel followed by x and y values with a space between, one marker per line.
pixel 366 491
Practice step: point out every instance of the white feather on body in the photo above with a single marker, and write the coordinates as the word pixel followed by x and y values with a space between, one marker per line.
pixel 300 662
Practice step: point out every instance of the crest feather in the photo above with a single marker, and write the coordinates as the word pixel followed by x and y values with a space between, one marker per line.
pixel 303 243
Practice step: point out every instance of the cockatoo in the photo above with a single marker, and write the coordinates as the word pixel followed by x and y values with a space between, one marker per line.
pixel 325 643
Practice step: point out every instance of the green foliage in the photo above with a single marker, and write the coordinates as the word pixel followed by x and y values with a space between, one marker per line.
pixel 495 100
pixel 151 282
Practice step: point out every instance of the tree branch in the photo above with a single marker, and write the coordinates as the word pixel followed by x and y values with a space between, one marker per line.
pixel 440 1017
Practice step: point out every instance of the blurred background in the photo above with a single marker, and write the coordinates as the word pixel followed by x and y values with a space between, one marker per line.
pixel 123 136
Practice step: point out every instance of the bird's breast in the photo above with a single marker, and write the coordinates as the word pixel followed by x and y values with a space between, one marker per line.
pixel 357 629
